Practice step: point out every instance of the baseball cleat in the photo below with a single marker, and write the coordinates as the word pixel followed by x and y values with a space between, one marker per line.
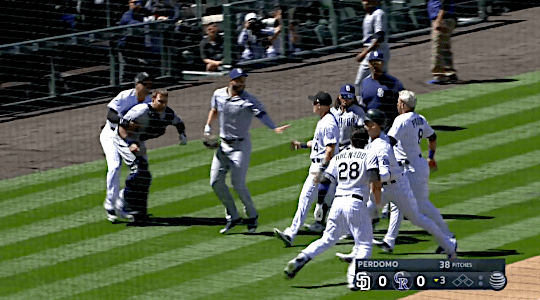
pixel 384 246
pixel 315 227
pixel 375 222
pixel 295 265
pixel 440 249
pixel 230 225
pixel 111 216
pixel 348 258
pixel 287 240
pixel 252 224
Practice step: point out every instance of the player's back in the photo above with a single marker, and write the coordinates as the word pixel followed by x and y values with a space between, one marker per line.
pixel 349 168
pixel 409 129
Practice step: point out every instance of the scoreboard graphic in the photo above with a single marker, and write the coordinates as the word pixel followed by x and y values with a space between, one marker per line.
pixel 430 274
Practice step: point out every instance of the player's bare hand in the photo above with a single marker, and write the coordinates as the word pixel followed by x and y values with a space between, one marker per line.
pixel 295 145
pixel 281 128
pixel 134 148
pixel 432 165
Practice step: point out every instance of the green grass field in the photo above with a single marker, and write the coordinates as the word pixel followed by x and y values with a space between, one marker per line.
pixel 57 244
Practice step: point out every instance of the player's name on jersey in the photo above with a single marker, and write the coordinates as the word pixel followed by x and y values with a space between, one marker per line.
pixel 431 265
pixel 351 154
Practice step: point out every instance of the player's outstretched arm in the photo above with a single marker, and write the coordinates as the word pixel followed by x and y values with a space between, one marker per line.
pixel 432 146
pixel 212 115
pixel 281 128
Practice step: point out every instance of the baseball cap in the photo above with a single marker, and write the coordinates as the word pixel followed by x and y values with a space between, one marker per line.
pixel 143 76
pixel 408 98
pixel 250 16
pixel 321 98
pixel 237 72
pixel 347 91
pixel 376 55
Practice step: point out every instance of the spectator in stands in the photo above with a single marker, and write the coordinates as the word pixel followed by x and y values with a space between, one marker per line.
pixel 380 90
pixel 164 9
pixel 442 14
pixel 275 48
pixel 135 14
pixel 294 37
pixel 211 48
pixel 254 37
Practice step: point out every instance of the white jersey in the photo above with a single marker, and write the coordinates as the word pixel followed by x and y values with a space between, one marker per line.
pixel 348 119
pixel 349 168
pixel 389 168
pixel 409 129
pixel 123 102
pixel 326 133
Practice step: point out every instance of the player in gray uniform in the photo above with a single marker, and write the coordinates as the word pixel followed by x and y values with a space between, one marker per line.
pixel 141 123
pixel 324 146
pixel 349 115
pixel 396 187
pixel 235 108
pixel 353 170
pixel 407 133
pixel 117 108
pixel 375 37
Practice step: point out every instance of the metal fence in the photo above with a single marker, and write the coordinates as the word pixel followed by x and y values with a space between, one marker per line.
pixel 74 68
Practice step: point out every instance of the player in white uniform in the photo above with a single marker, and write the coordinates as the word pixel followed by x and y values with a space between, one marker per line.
pixel 324 146
pixel 407 132
pixel 117 108
pixel 353 170
pixel 349 115
pixel 236 109
pixel 396 187
pixel 139 124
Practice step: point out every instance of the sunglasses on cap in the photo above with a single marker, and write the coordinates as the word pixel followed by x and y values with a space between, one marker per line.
pixel 348 97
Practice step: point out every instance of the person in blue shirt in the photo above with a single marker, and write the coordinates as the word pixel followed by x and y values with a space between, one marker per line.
pixel 380 90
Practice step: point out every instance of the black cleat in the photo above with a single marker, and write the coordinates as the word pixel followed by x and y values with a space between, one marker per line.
pixel 252 224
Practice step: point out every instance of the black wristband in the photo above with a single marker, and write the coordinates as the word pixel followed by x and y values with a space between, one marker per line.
pixel 303 145
pixel 130 141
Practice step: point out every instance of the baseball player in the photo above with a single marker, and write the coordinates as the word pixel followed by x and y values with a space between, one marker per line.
pixel 396 187
pixel 235 108
pixel 353 170
pixel 407 132
pixel 349 114
pixel 141 123
pixel 117 108
pixel 324 145
pixel 375 37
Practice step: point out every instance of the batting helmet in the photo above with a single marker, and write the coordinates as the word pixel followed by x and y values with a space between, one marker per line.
pixel 377 116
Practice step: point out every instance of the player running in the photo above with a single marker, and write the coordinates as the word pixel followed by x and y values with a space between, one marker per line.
pixel 353 170
pixel 407 132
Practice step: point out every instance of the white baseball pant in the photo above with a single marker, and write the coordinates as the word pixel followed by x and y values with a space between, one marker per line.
pixel 114 165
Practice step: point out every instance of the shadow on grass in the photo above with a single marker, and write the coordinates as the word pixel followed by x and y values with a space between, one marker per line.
pixel 309 287
pixel 179 221
pixel 466 217
pixel 469 254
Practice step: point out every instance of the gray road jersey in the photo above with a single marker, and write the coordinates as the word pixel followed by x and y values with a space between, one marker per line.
pixel 236 113
pixel 140 114
pixel 349 168
pixel 374 23
pixel 348 119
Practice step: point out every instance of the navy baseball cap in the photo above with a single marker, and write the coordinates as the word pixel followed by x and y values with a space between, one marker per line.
pixel 376 55
pixel 347 91
pixel 321 98
pixel 142 77
pixel 237 72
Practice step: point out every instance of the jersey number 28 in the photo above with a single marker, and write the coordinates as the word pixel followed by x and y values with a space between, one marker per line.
pixel 349 171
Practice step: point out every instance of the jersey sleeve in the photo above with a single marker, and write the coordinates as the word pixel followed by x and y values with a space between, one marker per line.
pixel 135 114
pixel 331 170
pixel 378 24
pixel 330 134
pixel 213 101
pixel 396 131
pixel 371 161
pixel 256 106
pixel 118 104
pixel 428 131
pixel 383 161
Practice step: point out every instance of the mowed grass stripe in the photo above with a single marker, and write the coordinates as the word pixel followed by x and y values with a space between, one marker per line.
pixel 128 236
pixel 487 141
pixel 199 187
pixel 147 265
pixel 486 203
pixel 492 169
pixel 436 99
pixel 489 112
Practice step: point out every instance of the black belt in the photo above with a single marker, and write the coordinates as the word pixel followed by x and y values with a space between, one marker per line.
pixel 228 141
pixel 389 182
pixel 352 195
pixel 406 161
pixel 316 160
